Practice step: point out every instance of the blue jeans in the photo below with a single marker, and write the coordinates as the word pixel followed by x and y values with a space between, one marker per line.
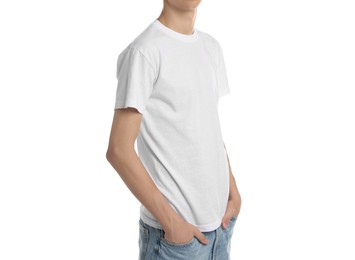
pixel 153 246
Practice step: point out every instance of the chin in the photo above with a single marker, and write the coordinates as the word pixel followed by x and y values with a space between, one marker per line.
pixel 184 4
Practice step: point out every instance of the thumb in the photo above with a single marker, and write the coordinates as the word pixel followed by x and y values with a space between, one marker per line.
pixel 201 237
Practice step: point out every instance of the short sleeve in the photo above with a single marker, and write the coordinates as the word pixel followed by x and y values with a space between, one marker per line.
pixel 135 79
pixel 222 79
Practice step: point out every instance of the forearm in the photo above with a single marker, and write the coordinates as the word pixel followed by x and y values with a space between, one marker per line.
pixel 133 173
pixel 233 189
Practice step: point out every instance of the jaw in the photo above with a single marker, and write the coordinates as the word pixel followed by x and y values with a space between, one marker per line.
pixel 182 5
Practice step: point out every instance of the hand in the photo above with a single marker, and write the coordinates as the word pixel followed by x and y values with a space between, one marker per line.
pixel 233 209
pixel 182 232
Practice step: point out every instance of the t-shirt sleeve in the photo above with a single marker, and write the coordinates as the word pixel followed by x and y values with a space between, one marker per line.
pixel 135 75
pixel 222 79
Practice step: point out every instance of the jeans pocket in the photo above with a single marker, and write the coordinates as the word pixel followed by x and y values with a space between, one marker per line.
pixel 178 251
pixel 188 243
pixel 143 240
pixel 232 222
pixel 234 218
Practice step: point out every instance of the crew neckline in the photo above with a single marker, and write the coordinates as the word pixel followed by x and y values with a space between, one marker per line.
pixel 180 36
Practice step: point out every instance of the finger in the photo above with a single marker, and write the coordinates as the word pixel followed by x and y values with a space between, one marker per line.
pixel 226 218
pixel 225 221
pixel 201 237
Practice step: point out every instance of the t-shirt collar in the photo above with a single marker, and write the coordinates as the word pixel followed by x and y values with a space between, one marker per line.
pixel 180 36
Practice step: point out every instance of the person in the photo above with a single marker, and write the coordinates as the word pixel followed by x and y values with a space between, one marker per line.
pixel 170 79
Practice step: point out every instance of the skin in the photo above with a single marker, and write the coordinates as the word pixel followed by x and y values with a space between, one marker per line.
pixel 180 16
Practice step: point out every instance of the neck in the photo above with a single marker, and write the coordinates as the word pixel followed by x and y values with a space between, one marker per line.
pixel 181 21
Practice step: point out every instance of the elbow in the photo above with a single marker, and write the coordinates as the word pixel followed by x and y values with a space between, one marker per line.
pixel 112 154
pixel 116 153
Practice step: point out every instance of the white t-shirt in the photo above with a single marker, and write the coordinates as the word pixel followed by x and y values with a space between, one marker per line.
pixel 175 80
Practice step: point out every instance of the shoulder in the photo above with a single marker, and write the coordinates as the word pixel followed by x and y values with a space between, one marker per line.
pixel 207 36
pixel 212 45
pixel 209 39
pixel 144 45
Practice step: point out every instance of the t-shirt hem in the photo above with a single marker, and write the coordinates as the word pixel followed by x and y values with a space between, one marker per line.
pixel 202 228
pixel 129 103
pixel 224 93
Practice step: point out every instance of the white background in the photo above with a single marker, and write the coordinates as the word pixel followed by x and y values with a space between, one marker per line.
pixel 288 125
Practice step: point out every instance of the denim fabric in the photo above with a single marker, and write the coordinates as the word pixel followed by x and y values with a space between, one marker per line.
pixel 153 246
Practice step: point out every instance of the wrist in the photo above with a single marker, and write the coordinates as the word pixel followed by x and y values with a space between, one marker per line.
pixel 169 221
pixel 165 214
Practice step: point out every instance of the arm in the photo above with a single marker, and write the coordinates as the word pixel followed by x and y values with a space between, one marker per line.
pixel 234 200
pixel 123 158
